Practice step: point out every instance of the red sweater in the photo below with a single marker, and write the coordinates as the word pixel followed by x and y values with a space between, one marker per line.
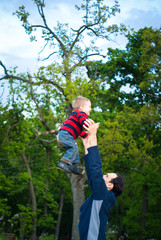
pixel 74 124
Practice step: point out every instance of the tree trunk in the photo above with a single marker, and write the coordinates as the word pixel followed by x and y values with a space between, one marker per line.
pixel 46 184
pixel 33 197
pixel 21 236
pixel 59 214
pixel 144 208
pixel 77 184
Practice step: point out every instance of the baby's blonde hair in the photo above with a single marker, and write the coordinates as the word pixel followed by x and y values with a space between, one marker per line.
pixel 79 101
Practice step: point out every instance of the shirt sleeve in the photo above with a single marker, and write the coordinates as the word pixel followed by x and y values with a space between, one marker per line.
pixel 93 167
pixel 82 116
pixel 84 134
pixel 87 168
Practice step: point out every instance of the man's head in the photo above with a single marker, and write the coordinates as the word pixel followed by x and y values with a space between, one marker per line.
pixel 83 104
pixel 114 183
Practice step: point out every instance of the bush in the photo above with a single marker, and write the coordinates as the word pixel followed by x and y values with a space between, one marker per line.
pixel 47 237
pixel 2 237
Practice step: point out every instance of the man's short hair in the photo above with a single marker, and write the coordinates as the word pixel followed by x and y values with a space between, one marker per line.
pixel 118 185
pixel 79 101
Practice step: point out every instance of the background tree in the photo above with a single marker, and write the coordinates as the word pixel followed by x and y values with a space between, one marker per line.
pixel 138 68
pixel 131 76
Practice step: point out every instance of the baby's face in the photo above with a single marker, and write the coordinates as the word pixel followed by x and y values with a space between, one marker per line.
pixel 86 108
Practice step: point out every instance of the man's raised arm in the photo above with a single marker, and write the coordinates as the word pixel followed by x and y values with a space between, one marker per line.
pixel 91 127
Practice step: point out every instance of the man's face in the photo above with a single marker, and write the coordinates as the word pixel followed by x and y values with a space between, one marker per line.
pixel 86 108
pixel 107 178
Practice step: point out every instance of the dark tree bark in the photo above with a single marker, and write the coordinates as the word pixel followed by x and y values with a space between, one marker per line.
pixel 33 197
pixel 77 184
pixel 59 214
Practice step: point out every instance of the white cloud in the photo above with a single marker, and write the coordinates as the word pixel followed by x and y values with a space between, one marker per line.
pixel 15 45
pixel 139 18
pixel 63 13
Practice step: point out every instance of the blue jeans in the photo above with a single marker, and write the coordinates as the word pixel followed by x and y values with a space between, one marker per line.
pixel 67 141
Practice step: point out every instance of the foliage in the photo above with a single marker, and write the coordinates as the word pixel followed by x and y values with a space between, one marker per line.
pixel 130 76
pixel 127 145
pixel 2 237
pixel 47 237
pixel 128 137
pixel 95 16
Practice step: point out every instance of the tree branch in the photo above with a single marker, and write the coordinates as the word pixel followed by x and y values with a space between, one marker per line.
pixel 45 140
pixel 84 58
pixel 46 133
pixel 7 133
pixel 39 109
pixel 49 55
pixel 8 76
pixel 53 34
pixel 80 31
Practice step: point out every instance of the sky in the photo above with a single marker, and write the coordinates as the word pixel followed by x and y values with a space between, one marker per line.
pixel 17 50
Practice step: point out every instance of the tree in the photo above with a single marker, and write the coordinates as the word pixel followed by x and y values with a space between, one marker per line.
pixel 131 76
pixel 18 140
pixel 6 183
pixel 130 145
pixel 132 135
pixel 62 77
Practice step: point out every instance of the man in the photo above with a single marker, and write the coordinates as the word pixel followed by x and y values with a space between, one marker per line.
pixel 95 211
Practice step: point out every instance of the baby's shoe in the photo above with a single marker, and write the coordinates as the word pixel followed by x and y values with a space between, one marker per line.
pixel 64 166
pixel 74 169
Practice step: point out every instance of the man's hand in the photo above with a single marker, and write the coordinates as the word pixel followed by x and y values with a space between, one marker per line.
pixel 91 127
pixel 86 144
